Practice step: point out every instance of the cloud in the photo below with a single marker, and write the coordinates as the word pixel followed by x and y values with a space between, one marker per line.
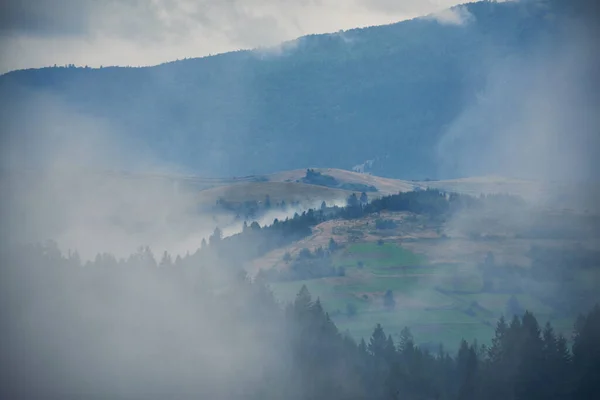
pixel 139 32
pixel 83 18
pixel 53 188
pixel 409 7
pixel 277 50
pixel 35 18
pixel 453 16
pixel 535 117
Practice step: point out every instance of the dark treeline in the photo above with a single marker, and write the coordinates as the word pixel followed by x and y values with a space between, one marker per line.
pixel 255 241
pixel 318 178
pixel 250 209
pixel 189 328
pixel 306 265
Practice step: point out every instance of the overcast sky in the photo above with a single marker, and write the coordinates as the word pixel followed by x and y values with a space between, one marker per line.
pixel 36 33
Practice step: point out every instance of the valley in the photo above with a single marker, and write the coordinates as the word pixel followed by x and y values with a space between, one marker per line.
pixel 450 276
pixel 300 200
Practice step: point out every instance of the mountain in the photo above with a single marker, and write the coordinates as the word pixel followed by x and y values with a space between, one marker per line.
pixel 383 94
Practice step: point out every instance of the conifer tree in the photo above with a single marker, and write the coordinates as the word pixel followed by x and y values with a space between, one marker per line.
pixel 406 343
pixel 303 300
pixel 378 342
pixel 467 371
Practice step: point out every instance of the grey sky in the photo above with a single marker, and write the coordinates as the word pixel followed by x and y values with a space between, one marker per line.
pixel 36 33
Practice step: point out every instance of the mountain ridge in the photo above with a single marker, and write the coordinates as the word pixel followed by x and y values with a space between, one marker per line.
pixel 386 92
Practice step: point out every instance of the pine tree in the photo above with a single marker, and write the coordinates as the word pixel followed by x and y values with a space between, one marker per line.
pixel 166 260
pixel 406 343
pixel 332 245
pixel 303 299
pixel 530 384
pixel 467 371
pixel 352 201
pixel 378 342
pixel 497 349
pixel 563 376
pixel 390 350
pixel 364 199
pixel 254 226
pixel 549 343
pixel 586 355
pixel 362 347
pixel 319 252
pixel 216 237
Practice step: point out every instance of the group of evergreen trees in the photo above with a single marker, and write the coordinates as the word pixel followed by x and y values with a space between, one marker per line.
pixel 255 241
pixel 163 325
pixel 317 178
pixel 78 316
pixel 251 209
pixel 306 265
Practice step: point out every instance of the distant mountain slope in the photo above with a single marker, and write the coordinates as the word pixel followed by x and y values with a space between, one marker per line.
pixel 335 100
pixel 384 186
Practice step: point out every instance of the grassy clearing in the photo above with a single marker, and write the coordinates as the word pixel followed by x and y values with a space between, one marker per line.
pixel 278 191
pixel 403 284
pixel 385 251
pixel 434 316
pixel 379 259
pixel 441 302
pixel 385 186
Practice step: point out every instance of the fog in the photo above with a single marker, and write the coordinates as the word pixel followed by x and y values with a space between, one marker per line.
pixel 137 334
pixel 536 116
pixel 62 181
pixel 536 123
pixel 55 186
pixel 111 333
pixel 110 329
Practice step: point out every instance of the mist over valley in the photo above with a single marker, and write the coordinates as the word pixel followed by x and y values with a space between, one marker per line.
pixel 402 211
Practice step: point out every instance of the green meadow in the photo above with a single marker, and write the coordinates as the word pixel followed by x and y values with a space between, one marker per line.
pixel 440 303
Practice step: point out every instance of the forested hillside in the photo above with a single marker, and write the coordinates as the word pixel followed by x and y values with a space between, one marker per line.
pixel 384 93
pixel 195 328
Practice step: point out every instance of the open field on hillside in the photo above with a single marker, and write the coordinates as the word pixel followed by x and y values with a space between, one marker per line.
pixel 426 298
pixel 385 186
pixel 277 191
pixel 436 280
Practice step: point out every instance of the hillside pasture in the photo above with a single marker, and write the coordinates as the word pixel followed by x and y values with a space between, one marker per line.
pixel 438 273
